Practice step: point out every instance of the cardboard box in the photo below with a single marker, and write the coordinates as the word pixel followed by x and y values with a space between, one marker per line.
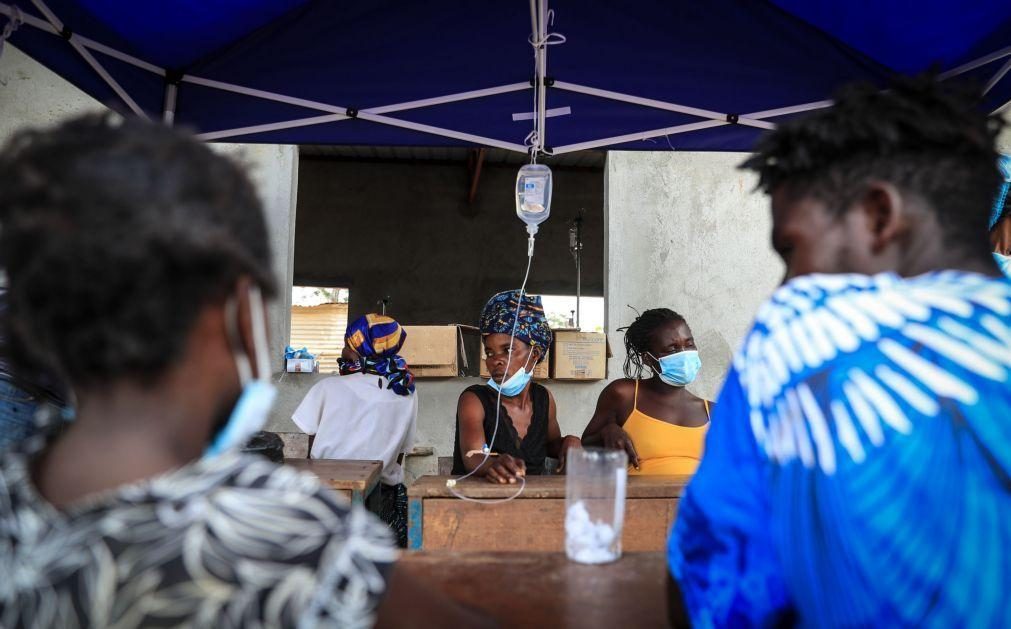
pixel 442 351
pixel 579 355
pixel 301 365
pixel 541 371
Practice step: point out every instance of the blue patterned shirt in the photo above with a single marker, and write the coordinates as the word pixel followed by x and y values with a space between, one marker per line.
pixel 858 467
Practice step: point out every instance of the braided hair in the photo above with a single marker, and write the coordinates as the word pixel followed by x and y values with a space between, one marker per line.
pixel 640 333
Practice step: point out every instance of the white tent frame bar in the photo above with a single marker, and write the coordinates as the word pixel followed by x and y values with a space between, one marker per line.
pixel 539 13
pixel 976 63
pixel 273 126
pixel 91 61
pixel 83 44
pixel 248 91
pixel 42 25
pixel 785 111
pixel 659 104
pixel 642 135
pixel 685 128
pixel 995 79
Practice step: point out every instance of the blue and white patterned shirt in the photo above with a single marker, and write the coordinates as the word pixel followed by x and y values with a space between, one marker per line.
pixel 858 467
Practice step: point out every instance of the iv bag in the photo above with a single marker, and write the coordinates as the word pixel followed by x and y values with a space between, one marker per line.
pixel 533 194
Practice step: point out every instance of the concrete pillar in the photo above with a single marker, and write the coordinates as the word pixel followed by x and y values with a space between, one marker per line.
pixel 274 171
pixel 686 231
pixel 33 96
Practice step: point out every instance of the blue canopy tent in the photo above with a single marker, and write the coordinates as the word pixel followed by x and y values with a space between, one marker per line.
pixel 653 74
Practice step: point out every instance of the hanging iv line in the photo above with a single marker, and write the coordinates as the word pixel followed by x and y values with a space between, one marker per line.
pixel 533 207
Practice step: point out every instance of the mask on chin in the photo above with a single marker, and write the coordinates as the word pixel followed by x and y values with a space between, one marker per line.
pixel 515 384
pixel 1004 263
pixel 251 410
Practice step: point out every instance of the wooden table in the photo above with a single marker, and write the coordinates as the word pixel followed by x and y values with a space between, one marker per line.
pixel 534 521
pixel 355 480
pixel 547 590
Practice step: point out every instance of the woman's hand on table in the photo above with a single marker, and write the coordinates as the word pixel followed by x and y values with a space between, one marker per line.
pixel 568 442
pixel 505 469
pixel 615 438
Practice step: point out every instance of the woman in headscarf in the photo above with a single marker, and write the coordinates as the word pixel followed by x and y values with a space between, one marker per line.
pixel 369 412
pixel 516 337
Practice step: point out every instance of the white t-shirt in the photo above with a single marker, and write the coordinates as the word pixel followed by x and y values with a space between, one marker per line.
pixel 356 417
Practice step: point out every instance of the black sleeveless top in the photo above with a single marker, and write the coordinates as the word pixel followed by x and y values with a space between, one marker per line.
pixel 534 447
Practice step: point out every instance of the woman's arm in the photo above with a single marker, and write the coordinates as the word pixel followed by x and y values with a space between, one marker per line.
pixel 497 469
pixel 558 446
pixel 605 427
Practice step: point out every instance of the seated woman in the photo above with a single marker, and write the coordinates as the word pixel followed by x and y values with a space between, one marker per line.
pixel 369 412
pixel 657 421
pixel 528 429
pixel 142 513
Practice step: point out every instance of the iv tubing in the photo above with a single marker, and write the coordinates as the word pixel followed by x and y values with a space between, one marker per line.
pixel 451 485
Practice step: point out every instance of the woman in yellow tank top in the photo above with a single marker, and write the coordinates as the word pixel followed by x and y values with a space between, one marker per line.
pixel 656 420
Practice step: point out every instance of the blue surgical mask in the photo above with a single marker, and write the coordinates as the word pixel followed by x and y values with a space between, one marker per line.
pixel 253 407
pixel 515 384
pixel 1004 263
pixel 679 369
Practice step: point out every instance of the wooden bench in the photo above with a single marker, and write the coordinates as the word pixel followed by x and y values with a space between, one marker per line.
pixel 355 480
pixel 534 521
pixel 547 590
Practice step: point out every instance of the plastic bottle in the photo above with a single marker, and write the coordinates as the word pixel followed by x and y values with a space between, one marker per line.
pixel 533 195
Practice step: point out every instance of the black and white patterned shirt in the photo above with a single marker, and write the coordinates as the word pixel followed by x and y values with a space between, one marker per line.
pixel 229 542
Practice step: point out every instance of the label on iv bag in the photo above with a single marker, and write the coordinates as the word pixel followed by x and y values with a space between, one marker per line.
pixel 533 194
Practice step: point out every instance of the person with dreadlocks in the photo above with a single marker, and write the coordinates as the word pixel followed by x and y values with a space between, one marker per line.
pixel 858 469
pixel 515 417
pixel 656 420
pixel 369 412
pixel 1000 219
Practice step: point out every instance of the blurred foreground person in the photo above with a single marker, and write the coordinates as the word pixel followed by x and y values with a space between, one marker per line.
pixel 138 263
pixel 858 467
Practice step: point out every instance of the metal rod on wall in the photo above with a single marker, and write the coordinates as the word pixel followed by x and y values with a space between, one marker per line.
pixel 576 248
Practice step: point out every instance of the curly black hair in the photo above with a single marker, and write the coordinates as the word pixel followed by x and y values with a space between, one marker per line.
pixel 929 139
pixel 640 333
pixel 114 235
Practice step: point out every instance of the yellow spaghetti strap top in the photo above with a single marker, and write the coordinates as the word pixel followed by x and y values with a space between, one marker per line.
pixel 664 448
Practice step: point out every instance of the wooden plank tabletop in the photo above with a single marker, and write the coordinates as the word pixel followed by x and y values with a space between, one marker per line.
pixel 544 487
pixel 342 474
pixel 547 590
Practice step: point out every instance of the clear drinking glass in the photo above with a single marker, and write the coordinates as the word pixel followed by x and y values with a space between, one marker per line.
pixel 595 481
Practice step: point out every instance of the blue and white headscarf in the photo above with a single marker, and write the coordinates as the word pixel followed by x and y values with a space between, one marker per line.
pixel 377 340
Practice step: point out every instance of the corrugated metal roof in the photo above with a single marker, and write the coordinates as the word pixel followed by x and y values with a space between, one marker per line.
pixel 321 330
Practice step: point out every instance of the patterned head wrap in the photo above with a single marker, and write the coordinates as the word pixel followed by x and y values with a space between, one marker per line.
pixel 1004 163
pixel 499 316
pixel 377 339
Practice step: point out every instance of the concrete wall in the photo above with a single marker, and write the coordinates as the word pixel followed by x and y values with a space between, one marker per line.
pixel 686 231
pixel 33 96
pixel 274 171
pixel 406 230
